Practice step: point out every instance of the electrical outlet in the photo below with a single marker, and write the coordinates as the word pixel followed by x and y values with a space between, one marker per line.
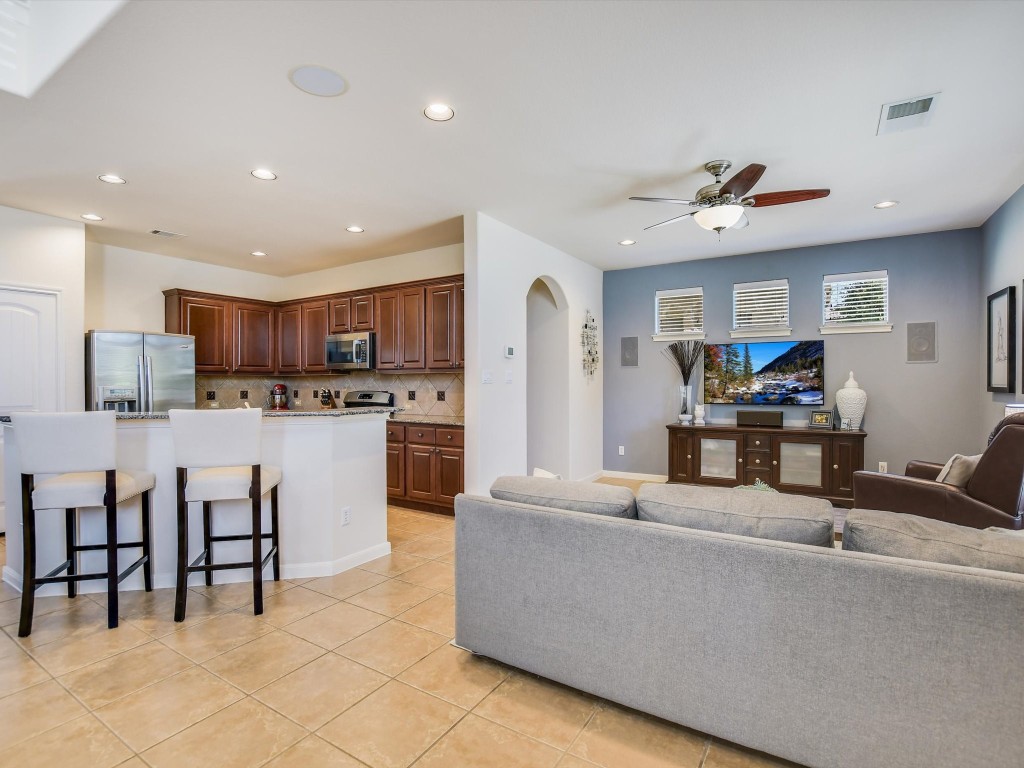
pixel 412 394
pixel 337 394
pixel 440 395
pixel 243 394
pixel 883 466
pixel 346 515
pixel 295 393
pixel 622 450
pixel 211 394
pixel 316 393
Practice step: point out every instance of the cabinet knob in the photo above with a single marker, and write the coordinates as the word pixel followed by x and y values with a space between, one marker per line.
pixel 775 462
pixel 757 442
pixel 450 437
pixel 689 456
pixel 740 461
pixel 419 434
pixel 757 461
pixel 835 466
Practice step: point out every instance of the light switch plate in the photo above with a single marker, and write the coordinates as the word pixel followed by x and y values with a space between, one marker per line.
pixel 508 377
pixel 487 377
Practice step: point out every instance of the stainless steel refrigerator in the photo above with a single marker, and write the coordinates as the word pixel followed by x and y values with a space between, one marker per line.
pixel 139 372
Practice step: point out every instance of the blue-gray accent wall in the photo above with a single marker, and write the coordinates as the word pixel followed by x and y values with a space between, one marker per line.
pixel 915 410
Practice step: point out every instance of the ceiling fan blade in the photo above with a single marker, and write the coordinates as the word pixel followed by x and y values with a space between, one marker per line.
pixel 743 222
pixel 743 182
pixel 781 198
pixel 677 218
pixel 663 200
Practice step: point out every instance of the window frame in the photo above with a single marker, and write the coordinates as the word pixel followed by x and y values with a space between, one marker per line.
pixel 873 326
pixel 696 334
pixel 783 328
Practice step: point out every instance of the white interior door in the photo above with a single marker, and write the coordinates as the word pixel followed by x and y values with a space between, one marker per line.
pixel 30 357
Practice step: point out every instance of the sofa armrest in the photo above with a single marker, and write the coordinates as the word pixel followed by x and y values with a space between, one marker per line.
pixel 925 470
pixel 925 498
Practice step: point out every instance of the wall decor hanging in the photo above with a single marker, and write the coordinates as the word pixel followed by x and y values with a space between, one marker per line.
pixel 588 340
pixel 1002 340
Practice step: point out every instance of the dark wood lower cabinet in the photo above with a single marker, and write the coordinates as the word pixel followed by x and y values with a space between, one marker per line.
pixel 804 461
pixel 425 466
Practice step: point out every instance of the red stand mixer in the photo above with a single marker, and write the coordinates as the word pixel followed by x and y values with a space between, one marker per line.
pixel 279 398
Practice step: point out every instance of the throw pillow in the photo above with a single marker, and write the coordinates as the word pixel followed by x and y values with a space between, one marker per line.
pixel 574 496
pixel 538 472
pixel 958 470
pixel 920 538
pixel 777 516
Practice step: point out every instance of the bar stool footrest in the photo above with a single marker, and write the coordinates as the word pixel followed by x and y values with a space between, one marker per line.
pixel 239 537
pixel 97 547
pixel 196 568
pixel 131 568
pixel 66 579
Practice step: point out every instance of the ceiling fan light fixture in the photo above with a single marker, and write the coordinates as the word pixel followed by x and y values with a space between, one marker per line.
pixel 627 242
pixel 718 217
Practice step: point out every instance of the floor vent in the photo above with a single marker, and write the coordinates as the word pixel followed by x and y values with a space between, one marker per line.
pixel 165 233
pixel 906 114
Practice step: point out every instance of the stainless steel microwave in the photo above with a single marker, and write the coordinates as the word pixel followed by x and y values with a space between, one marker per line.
pixel 351 351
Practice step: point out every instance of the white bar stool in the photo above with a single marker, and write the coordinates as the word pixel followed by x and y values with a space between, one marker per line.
pixel 225 448
pixel 80 449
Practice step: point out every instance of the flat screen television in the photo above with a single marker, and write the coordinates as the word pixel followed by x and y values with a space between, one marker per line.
pixel 765 373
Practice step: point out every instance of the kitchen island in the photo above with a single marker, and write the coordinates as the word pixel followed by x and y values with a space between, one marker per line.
pixel 332 500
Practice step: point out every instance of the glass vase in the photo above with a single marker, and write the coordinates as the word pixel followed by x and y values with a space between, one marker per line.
pixel 685 399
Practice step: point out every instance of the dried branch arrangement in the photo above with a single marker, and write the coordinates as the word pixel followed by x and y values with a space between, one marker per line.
pixel 686 355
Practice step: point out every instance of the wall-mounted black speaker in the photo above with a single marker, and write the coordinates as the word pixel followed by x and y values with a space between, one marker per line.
pixel 921 343
pixel 758 418
pixel 630 351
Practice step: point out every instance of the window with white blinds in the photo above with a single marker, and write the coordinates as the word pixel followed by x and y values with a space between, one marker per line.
pixel 679 314
pixel 857 302
pixel 760 309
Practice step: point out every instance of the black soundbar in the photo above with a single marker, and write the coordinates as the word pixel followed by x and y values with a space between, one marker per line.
pixel 758 418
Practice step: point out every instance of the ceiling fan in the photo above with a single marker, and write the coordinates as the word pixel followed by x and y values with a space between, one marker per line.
pixel 720 206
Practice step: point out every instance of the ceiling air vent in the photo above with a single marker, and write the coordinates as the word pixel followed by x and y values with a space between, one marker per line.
pixel 907 114
pixel 165 233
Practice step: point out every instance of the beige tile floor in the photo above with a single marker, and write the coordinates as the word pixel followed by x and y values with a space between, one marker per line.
pixel 346 671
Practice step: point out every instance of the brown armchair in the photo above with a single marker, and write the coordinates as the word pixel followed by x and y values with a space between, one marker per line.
pixel 994 496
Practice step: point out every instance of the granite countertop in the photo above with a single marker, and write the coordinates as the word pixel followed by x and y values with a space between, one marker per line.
pixel 415 418
pixel 266 414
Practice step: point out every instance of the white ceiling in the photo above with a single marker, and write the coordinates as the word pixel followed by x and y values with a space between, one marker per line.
pixel 564 110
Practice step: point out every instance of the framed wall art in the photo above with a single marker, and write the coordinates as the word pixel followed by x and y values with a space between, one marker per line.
pixel 1002 340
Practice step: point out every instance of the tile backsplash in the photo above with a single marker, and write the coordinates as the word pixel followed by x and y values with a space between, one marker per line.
pixel 436 394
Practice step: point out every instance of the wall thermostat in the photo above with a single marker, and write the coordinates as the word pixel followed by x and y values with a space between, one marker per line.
pixel 510 352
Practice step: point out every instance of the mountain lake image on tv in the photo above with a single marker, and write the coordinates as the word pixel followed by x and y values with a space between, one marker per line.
pixel 765 373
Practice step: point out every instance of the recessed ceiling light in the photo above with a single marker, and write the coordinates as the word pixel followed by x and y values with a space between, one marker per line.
pixel 111 179
pixel 439 112
pixel 355 229
pixel 263 174
pixel 258 253
pixel 887 204
pixel 318 81
pixel 627 242
pixel 92 217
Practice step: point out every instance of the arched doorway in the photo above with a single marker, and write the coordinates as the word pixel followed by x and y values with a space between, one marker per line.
pixel 547 378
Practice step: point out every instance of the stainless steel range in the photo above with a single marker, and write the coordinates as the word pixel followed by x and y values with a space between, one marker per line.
pixel 368 398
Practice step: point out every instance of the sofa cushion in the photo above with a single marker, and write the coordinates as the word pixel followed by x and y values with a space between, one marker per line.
pixel 777 516
pixel 575 496
pixel 921 538
pixel 958 470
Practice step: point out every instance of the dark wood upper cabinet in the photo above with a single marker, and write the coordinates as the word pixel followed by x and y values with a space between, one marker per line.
pixel 208 319
pixel 314 331
pixel 460 326
pixel 362 312
pixel 289 339
pixel 341 315
pixel 252 338
pixel 388 356
pixel 411 329
pixel 442 325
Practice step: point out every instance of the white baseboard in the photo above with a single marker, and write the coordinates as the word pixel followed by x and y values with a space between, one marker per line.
pixel 634 476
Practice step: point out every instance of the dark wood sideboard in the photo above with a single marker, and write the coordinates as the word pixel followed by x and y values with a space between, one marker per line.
pixel 812 462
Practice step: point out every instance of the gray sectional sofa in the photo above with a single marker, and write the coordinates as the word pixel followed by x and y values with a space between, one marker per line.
pixel 829 658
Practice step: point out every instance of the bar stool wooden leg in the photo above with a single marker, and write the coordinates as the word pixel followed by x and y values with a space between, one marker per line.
pixel 111 503
pixel 181 586
pixel 207 540
pixel 28 536
pixel 69 549
pixel 273 534
pixel 257 542
pixel 147 551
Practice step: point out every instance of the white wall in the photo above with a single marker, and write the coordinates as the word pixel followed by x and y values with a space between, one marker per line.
pixel 46 252
pixel 501 265
pixel 419 265
pixel 123 288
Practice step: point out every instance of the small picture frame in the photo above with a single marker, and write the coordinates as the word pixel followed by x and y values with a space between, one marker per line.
pixel 847 425
pixel 820 420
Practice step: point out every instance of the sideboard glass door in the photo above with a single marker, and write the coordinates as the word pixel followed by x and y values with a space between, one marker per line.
pixel 719 459
pixel 800 463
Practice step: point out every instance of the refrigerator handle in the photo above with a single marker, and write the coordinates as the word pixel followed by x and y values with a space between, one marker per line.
pixel 142 386
pixel 149 384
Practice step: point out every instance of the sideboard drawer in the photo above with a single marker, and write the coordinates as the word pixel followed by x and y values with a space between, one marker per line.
pixel 396 433
pixel 758 442
pixel 424 435
pixel 757 460
pixel 453 437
